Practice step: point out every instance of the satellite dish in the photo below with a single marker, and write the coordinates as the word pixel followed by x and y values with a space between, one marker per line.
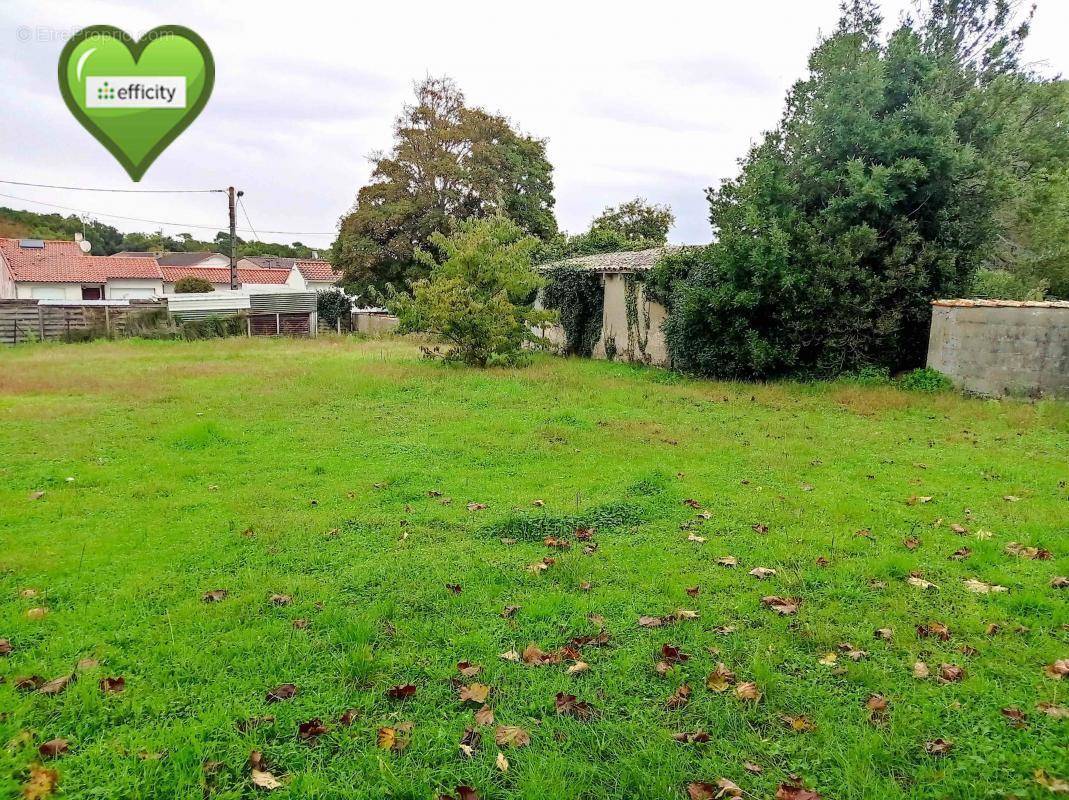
pixel 85 246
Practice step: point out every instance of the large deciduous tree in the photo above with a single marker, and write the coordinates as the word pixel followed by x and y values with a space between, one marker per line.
pixel 876 193
pixel 449 162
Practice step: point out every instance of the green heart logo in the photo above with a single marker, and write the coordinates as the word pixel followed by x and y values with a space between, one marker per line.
pixel 135 97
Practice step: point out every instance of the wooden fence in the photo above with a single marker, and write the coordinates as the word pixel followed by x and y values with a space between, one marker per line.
pixel 29 320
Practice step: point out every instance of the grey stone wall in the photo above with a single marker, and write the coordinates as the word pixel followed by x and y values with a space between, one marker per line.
pixel 999 347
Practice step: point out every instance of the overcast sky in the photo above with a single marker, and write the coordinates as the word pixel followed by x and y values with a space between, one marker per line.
pixel 657 100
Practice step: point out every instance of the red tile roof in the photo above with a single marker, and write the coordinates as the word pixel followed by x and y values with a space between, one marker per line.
pixel 64 262
pixel 317 270
pixel 222 274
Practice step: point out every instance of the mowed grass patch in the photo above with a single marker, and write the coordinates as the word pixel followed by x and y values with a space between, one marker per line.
pixel 368 487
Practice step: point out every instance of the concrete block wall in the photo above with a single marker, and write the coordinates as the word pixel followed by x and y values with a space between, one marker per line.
pixel 1002 347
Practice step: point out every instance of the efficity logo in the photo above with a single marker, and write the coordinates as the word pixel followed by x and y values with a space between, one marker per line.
pixel 136 96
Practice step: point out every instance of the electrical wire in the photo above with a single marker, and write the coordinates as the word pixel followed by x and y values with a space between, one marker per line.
pixel 241 203
pixel 161 222
pixel 125 191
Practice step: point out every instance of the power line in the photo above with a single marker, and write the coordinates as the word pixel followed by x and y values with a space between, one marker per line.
pixel 241 203
pixel 161 222
pixel 97 189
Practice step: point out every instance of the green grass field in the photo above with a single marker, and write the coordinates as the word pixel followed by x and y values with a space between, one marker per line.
pixel 312 469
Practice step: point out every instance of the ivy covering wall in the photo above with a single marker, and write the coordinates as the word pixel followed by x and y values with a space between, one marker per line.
pixel 578 296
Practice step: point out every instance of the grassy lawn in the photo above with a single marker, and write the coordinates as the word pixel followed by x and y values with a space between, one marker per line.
pixel 312 469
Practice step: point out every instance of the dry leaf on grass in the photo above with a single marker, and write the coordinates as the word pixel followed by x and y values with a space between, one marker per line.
pixel 1058 670
pixel 310 730
pixel 1017 718
pixel 474 693
pixel 40 784
pixel 37 613
pixel 484 716
pixel 748 691
pixel 696 737
pixel 886 634
pixel 920 583
pixel 1055 785
pixel 1052 710
pixel 1031 553
pixel 501 762
pixel 284 691
pixel 401 692
pixel 395 738
pixel 784 606
pixel 762 572
pixel 800 724
pixel 720 679
pixel 1059 582
pixel 693 537
pixel 113 685
pixel 679 698
pixel 470 741
pixel 936 629
pixel 5 647
pixel 979 587
pixel 56 685
pixel 920 670
pixel 938 747
pixel 578 668
pixel 950 673
pixel 467 669
pixel 571 706
pixel 215 595
pixel 727 561
pixel 511 736
pixel 792 791
pixel 54 748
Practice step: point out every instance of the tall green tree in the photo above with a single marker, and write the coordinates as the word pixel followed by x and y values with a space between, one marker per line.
pixel 876 193
pixel 637 220
pixel 449 162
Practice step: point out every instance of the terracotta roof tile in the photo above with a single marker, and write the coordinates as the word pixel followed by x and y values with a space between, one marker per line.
pixel 219 275
pixel 64 262
pixel 317 270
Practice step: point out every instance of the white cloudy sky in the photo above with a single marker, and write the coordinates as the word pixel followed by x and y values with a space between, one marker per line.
pixel 657 100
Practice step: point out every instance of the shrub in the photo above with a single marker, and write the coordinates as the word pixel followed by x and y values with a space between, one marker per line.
pixel 155 323
pixel 333 305
pixel 577 296
pixel 1000 284
pixel 214 327
pixel 870 376
pixel 477 299
pixel 925 379
pixel 192 285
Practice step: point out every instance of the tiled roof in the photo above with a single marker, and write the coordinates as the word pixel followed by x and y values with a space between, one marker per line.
pixel 219 275
pixel 185 259
pixel 622 261
pixel 64 262
pixel 271 262
pixel 317 270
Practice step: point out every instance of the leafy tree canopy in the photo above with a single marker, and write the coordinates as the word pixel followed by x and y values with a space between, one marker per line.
pixel 449 163
pixel 634 225
pixel 877 192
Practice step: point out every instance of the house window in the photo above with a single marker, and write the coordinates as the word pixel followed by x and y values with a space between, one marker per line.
pixel 92 292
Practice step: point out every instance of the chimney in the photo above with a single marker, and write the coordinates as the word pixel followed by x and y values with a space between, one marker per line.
pixel 315 254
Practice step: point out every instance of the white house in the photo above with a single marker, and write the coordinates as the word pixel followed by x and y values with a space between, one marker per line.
pixel 60 270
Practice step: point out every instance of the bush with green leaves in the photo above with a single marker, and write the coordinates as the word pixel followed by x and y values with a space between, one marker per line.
pixel 333 305
pixel 192 285
pixel 478 299
pixel 1001 284
pixel 214 327
pixel 925 379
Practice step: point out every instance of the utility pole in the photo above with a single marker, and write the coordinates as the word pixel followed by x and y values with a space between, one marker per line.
pixel 232 197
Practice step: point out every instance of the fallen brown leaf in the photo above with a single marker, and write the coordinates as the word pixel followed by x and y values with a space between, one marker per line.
pixel 470 741
pixel 455 588
pixel 395 738
pixel 310 730
pixel 762 572
pixel 1016 717
pixel 54 748
pixel 484 716
pixel 112 685
pixel 936 629
pixel 679 698
pixel 5 647
pixel 467 669
pixel 41 783
pixel 1052 710
pixel 501 762
pixel 950 673
pixel 1058 670
pixel 569 705
pixel 1055 785
pixel 280 599
pixel 938 747
pixel 578 668
pixel 790 791
pixel 56 685
pixel 215 595
pixel 920 670
pixel 474 693
pixel 720 679
pixel 696 737
pixel 800 724
pixel 284 691
pixel 920 583
pixel 912 543
pixel 401 692
pixel 1059 582
pixel 783 606
pixel 511 736
pixel 1032 553
pixel 37 613
pixel 748 691
pixel 727 561
pixel 884 633
pixel 979 587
